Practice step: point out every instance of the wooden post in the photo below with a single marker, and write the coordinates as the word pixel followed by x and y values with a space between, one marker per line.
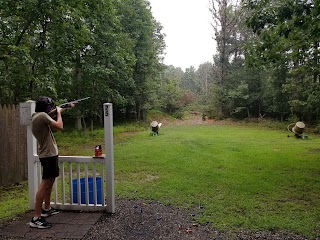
pixel 109 158
pixel 26 111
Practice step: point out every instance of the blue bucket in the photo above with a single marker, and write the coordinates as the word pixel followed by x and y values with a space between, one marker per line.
pixel 83 190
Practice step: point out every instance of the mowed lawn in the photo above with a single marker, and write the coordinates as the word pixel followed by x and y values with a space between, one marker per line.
pixel 231 177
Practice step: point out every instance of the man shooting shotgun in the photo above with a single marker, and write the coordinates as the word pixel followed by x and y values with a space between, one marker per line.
pixel 41 126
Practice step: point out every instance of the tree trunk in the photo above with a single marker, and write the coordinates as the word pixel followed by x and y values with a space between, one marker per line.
pixel 78 124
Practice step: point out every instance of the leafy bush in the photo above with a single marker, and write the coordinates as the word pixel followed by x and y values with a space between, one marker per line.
pixel 156 115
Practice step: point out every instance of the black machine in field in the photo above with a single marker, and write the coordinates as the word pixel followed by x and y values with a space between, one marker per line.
pixel 297 129
pixel 155 126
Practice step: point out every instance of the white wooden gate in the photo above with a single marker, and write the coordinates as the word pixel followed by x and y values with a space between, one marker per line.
pixel 85 183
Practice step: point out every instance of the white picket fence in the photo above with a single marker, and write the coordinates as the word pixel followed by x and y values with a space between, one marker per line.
pixel 85 183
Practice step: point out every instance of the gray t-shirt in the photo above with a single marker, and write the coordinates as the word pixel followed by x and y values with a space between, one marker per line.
pixel 47 146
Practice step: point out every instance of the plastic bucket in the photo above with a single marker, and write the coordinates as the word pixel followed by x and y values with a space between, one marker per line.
pixel 298 128
pixel 83 190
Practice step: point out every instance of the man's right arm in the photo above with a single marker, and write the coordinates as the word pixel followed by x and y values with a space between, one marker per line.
pixel 58 124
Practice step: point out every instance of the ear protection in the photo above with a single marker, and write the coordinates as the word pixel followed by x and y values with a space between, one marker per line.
pixel 50 104
pixel 44 104
pixel 49 108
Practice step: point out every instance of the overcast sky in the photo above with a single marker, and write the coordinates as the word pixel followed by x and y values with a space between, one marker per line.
pixel 187 25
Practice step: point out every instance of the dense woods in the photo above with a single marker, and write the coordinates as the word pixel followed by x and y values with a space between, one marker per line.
pixel 107 50
pixel 266 62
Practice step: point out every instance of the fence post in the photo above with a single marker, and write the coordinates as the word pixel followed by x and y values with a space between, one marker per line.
pixel 26 111
pixel 108 139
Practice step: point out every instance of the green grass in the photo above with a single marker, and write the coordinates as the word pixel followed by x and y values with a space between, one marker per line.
pixel 13 200
pixel 245 177
pixel 249 178
pixel 78 143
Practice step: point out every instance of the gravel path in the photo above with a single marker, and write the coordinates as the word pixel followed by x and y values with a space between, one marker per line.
pixel 136 219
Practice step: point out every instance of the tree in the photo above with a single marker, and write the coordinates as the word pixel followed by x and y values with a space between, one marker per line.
pixel 148 43
pixel 188 82
pixel 287 36
pixel 204 77
pixel 108 50
pixel 169 93
pixel 232 93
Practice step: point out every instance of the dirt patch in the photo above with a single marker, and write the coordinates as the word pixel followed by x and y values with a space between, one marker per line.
pixel 133 220
pixel 143 220
pixel 314 150
pixel 194 119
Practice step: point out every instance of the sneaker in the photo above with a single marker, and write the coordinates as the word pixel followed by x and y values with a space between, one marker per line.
pixel 47 213
pixel 40 223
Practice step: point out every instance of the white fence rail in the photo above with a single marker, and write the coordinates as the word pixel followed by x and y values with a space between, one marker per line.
pixel 85 183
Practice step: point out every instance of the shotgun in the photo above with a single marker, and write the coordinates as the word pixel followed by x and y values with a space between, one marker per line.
pixel 67 105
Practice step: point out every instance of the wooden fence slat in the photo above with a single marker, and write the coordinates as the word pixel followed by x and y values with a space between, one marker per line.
pixel 13 146
pixel 2 143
